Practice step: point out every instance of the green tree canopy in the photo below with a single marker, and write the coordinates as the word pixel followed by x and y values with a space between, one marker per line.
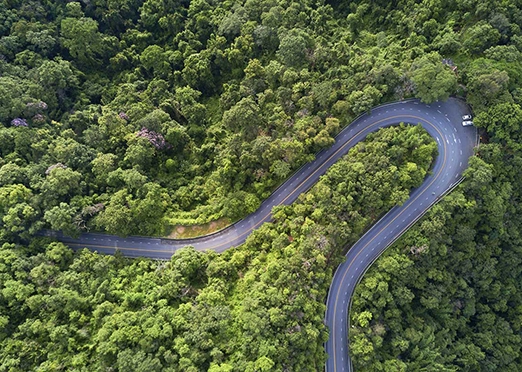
pixel 432 80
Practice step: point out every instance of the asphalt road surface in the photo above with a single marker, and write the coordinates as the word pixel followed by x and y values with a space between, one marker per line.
pixel 455 144
pixel 443 122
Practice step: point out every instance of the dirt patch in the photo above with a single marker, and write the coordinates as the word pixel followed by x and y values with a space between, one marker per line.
pixel 183 232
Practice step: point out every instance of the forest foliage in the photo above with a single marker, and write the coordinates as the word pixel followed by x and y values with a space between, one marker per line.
pixel 134 117
pixel 258 307
pixel 447 296
pixel 131 117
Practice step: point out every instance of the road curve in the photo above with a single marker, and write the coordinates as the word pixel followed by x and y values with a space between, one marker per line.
pixel 455 143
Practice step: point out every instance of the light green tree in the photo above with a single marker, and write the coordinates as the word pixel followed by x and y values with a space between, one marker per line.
pixel 433 81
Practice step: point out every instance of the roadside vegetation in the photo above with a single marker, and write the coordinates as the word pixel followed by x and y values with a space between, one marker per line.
pixel 448 295
pixel 133 117
pixel 136 117
pixel 258 307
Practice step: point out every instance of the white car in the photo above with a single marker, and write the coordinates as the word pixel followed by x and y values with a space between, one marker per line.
pixel 466 117
pixel 467 123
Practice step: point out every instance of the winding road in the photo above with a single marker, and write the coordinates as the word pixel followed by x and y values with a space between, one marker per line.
pixel 455 143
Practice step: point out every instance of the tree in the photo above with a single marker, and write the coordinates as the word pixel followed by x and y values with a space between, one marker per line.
pixel 240 204
pixel 192 111
pixel 59 80
pixel 62 218
pixel 488 88
pixel 42 42
pixel 154 59
pixel 18 219
pixel 140 153
pixel 362 101
pixel 81 37
pixel 11 173
pixel 220 367
pixel 504 120
pixel 149 210
pixel 292 48
pixel 230 26
pixel 160 13
pixel 11 195
pixel 14 95
pixel 102 165
pixel 433 81
pixel 117 216
pixel 447 42
pixel 197 72
pixel 244 117
pixel 59 254
pixel 60 184
pixel 281 169
pixel 264 364
pixel 480 37
pixel 71 152
pixel 131 178
pixel 132 361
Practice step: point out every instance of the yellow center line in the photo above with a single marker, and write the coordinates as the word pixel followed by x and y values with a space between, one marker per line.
pixel 376 235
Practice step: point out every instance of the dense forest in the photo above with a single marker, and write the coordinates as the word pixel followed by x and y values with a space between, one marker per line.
pixel 255 308
pixel 448 295
pixel 133 117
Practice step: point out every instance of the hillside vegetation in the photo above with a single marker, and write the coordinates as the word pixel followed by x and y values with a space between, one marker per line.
pixel 448 295
pixel 132 117
pixel 258 307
